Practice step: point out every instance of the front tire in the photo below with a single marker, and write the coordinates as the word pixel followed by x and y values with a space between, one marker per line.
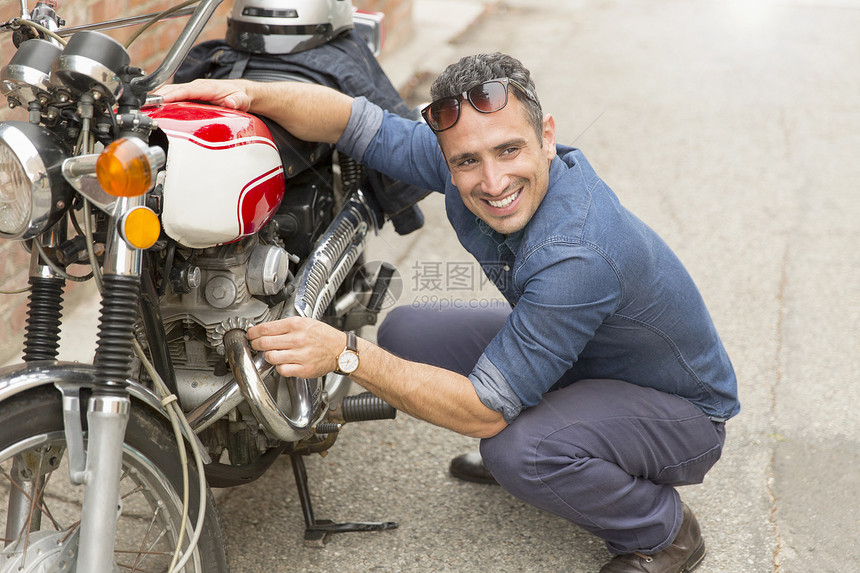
pixel 32 437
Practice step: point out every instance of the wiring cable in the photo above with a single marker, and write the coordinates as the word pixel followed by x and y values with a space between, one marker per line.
pixel 177 418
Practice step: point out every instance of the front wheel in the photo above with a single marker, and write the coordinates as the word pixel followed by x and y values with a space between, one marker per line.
pixel 41 509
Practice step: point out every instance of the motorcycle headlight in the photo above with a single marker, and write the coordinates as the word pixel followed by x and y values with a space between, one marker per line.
pixel 33 192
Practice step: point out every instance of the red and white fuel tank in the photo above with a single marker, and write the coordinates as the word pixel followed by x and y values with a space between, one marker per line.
pixel 224 178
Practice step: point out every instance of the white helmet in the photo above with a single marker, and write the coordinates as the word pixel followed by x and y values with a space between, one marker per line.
pixel 286 26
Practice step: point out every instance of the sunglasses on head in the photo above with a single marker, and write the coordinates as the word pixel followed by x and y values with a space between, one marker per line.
pixel 487 97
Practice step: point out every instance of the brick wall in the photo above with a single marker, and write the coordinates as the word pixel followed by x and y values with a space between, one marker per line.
pixel 398 19
pixel 146 52
pixel 148 49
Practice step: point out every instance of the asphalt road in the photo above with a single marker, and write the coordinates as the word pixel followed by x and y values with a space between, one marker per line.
pixel 730 127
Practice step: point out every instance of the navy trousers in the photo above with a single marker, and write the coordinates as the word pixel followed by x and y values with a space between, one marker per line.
pixel 604 454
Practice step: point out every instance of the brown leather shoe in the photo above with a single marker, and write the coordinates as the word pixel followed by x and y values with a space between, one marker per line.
pixel 470 467
pixel 685 553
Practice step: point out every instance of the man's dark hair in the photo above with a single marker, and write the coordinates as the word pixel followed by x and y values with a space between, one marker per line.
pixel 473 70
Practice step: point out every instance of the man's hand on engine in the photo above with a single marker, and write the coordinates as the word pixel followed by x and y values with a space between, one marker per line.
pixel 297 346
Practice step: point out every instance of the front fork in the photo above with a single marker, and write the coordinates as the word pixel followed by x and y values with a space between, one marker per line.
pixel 107 417
pixel 108 409
pixel 41 342
pixel 98 466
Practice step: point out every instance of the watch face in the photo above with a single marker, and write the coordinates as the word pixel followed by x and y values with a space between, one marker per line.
pixel 347 361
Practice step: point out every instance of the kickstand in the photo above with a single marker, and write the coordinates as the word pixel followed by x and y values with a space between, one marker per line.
pixel 317 530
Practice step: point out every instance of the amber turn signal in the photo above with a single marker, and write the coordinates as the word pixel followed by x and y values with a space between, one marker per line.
pixel 140 227
pixel 125 168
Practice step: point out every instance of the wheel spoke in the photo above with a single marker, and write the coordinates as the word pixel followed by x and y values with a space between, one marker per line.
pixel 153 544
pixel 145 537
pixel 132 568
pixel 70 531
pixel 47 512
pixel 132 492
pixel 40 490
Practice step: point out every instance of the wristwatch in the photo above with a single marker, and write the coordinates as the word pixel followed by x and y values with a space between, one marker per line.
pixel 347 361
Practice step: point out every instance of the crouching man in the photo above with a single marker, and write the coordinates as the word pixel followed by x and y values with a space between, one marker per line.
pixel 606 385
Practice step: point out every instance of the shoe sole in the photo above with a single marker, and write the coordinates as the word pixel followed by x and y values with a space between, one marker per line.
pixel 472 478
pixel 695 559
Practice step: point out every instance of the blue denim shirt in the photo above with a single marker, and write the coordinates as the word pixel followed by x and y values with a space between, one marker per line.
pixel 595 292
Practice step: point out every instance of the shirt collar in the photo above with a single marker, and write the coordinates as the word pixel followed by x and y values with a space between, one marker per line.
pixel 511 241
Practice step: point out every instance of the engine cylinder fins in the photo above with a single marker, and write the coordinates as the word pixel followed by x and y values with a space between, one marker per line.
pixel 216 336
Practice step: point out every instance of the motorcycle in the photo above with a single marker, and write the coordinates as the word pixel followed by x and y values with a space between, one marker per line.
pixel 196 222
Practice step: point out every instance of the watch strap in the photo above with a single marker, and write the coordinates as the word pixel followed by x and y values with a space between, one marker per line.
pixel 351 341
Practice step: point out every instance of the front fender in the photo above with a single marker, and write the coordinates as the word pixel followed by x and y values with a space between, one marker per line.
pixel 21 377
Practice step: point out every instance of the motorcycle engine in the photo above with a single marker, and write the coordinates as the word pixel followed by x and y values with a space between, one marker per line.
pixel 216 290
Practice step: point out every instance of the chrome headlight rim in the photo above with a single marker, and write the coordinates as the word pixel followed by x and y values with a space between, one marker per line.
pixel 39 156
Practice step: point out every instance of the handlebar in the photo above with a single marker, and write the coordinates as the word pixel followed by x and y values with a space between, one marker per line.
pixel 122 22
pixel 200 15
pixel 178 50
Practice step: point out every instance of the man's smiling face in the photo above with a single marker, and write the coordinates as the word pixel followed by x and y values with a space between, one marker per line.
pixel 498 163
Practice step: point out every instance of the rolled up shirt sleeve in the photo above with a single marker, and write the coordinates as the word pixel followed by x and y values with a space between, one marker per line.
pixel 493 389
pixel 570 291
pixel 364 122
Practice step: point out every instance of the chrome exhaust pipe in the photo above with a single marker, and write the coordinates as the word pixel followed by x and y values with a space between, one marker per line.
pixel 327 267
pixel 221 402
pixel 289 428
